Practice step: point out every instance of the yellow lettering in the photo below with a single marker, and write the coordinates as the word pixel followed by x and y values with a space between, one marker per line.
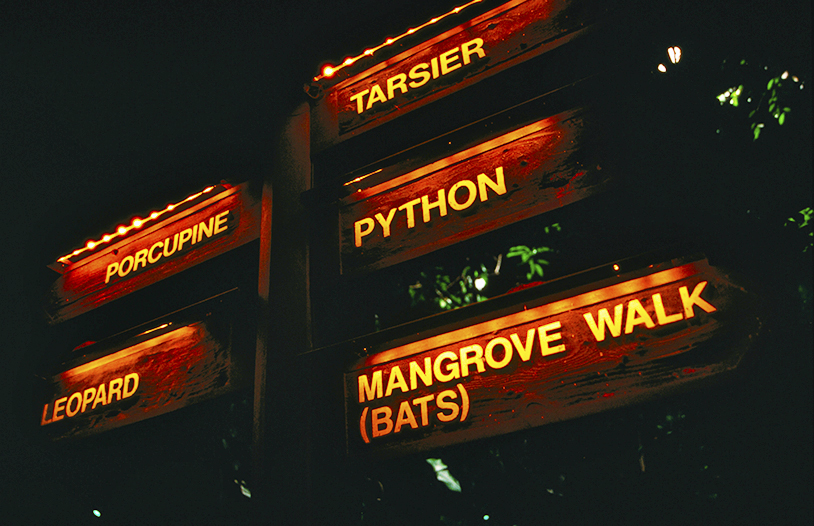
pixel 416 73
pixel 453 196
pixel 425 374
pixel 636 315
pixel 396 82
pixel 141 258
pixel 129 392
pixel 688 300
pixel 476 358
pixel 58 407
pixel 129 261
pixel 443 404
pixel 358 233
pixel 452 370
pixel 448 58
pixel 395 380
pixel 75 396
pixel 111 269
pixel 471 47
pixel 382 415
pixel 410 209
pixel 615 325
pixel 370 391
pixel 498 185
pixel 523 350
pixel 376 95
pixel 45 421
pixel 167 245
pixel 115 387
pixel 434 64
pixel 150 257
pixel 203 228
pixel 358 98
pixel 661 315
pixel 405 416
pixel 88 397
pixel 490 352
pixel 186 235
pixel 385 222
pixel 441 204
pixel 423 403
pixel 220 223
pixel 101 397
pixel 546 338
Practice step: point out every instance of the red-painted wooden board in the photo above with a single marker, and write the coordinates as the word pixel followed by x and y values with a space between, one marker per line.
pixel 501 38
pixel 520 174
pixel 598 347
pixel 230 219
pixel 161 370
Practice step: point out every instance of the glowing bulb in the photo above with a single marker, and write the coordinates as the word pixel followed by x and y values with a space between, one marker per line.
pixel 616 267
pixel 137 222
pixel 97 513
pixel 90 245
pixel 328 71
pixel 662 68
pixel 368 52
pixel 785 75
pixel 674 53
pixel 390 40
pixel 348 61
pixel 480 283
pixel 171 207
pixel 106 238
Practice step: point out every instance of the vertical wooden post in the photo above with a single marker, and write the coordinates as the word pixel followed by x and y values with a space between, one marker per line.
pixel 284 329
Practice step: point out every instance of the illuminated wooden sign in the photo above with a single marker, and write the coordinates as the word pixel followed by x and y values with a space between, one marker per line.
pixel 523 173
pixel 579 352
pixel 211 227
pixel 503 37
pixel 162 369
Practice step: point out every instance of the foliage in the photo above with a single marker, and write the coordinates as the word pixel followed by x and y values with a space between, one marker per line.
pixel 447 291
pixel 804 225
pixel 776 95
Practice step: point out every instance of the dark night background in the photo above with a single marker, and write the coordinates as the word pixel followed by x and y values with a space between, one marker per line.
pixel 111 109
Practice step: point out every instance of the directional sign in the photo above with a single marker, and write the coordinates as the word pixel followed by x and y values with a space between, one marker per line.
pixel 212 227
pixel 517 175
pixel 165 367
pixel 600 346
pixel 501 38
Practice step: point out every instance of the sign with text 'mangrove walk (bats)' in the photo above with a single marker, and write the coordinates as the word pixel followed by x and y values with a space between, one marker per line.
pixel 576 353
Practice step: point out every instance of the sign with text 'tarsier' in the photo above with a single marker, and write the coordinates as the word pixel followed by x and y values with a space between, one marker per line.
pixel 583 351
pixel 163 369
pixel 195 234
pixel 503 37
pixel 517 175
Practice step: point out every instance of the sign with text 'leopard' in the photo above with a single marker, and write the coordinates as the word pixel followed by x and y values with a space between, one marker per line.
pixel 579 352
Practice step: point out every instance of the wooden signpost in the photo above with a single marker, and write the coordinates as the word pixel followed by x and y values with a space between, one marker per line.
pixel 177 362
pixel 498 39
pixel 578 352
pixel 517 175
pixel 211 227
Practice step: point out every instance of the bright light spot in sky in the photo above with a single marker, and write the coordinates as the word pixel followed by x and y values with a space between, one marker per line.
pixel 674 53
pixel 97 513
pixel 480 283
pixel 486 517
pixel 662 68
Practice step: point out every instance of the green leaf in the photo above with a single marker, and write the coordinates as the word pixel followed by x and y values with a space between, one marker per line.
pixel 770 84
pixel 781 119
pixel 752 113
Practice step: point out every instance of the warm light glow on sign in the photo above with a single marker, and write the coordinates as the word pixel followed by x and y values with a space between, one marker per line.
pixel 154 375
pixel 199 231
pixel 568 357
pixel 489 43
pixel 517 175
pixel 135 224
